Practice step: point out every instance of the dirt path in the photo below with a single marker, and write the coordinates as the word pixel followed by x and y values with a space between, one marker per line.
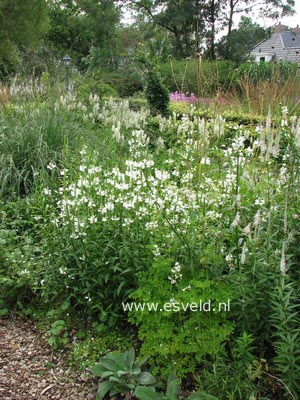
pixel 30 371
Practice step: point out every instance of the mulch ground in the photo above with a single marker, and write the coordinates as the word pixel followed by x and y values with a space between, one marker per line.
pixel 29 370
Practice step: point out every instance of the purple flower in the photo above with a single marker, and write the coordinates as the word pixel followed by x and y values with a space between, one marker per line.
pixel 185 97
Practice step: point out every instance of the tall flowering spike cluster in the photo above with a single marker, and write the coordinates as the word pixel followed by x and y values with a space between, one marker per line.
pixel 161 193
pixel 268 142
pixel 295 130
pixel 284 116
pixel 114 114
pixel 30 87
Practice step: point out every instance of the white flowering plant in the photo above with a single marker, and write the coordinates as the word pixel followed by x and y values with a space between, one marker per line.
pixel 202 208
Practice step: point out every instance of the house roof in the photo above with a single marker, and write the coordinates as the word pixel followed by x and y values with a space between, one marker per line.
pixel 283 45
pixel 290 39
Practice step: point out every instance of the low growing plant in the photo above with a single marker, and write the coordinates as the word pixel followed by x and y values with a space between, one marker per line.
pixel 121 374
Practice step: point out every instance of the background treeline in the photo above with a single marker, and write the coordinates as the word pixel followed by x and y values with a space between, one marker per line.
pixel 36 33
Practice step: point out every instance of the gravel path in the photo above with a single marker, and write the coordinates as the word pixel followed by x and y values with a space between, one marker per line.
pixel 30 371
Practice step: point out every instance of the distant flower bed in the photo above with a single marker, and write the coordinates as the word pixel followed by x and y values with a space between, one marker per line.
pixel 186 97
pixel 191 99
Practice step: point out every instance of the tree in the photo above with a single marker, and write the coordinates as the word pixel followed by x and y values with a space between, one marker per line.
pixel 79 25
pixel 22 23
pixel 215 13
pixel 237 45
pixel 192 21
pixel 269 8
pixel 181 18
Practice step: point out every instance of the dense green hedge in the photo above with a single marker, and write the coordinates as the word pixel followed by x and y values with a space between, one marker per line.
pixel 205 78
pixel 194 76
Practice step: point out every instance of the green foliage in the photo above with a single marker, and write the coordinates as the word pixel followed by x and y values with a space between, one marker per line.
pixel 182 76
pixel 258 72
pixel 96 340
pixel 237 45
pixel 19 250
pixel 58 334
pixel 156 93
pixel 238 378
pixel 121 374
pixel 27 148
pixel 22 24
pixel 79 25
pixel 3 310
pixel 188 323
pixel 285 320
pixel 126 80
pixel 171 211
pixel 93 83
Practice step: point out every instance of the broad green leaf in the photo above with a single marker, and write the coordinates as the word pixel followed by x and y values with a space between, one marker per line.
pixel 136 371
pixel 146 393
pixel 145 378
pixel 104 388
pixel 173 386
pixel 142 362
pixel 98 370
pixel 121 372
pixel 107 374
pixel 108 363
pixel 130 357
pixel 114 379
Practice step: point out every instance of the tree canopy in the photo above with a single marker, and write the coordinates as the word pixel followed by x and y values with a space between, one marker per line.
pixel 22 23
pixel 180 28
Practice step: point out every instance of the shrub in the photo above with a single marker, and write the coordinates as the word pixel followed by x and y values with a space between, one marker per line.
pixel 156 93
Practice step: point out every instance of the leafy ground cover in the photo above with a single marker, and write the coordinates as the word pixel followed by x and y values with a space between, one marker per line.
pixel 106 209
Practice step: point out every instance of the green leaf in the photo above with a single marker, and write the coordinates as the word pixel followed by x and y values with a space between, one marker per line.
pixel 121 372
pixel 201 396
pixel 173 386
pixel 108 363
pixel 145 378
pixel 146 393
pixel 142 362
pixel 104 387
pixel 136 371
pixel 114 379
pixel 107 374
pixel 98 370
pixel 130 357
